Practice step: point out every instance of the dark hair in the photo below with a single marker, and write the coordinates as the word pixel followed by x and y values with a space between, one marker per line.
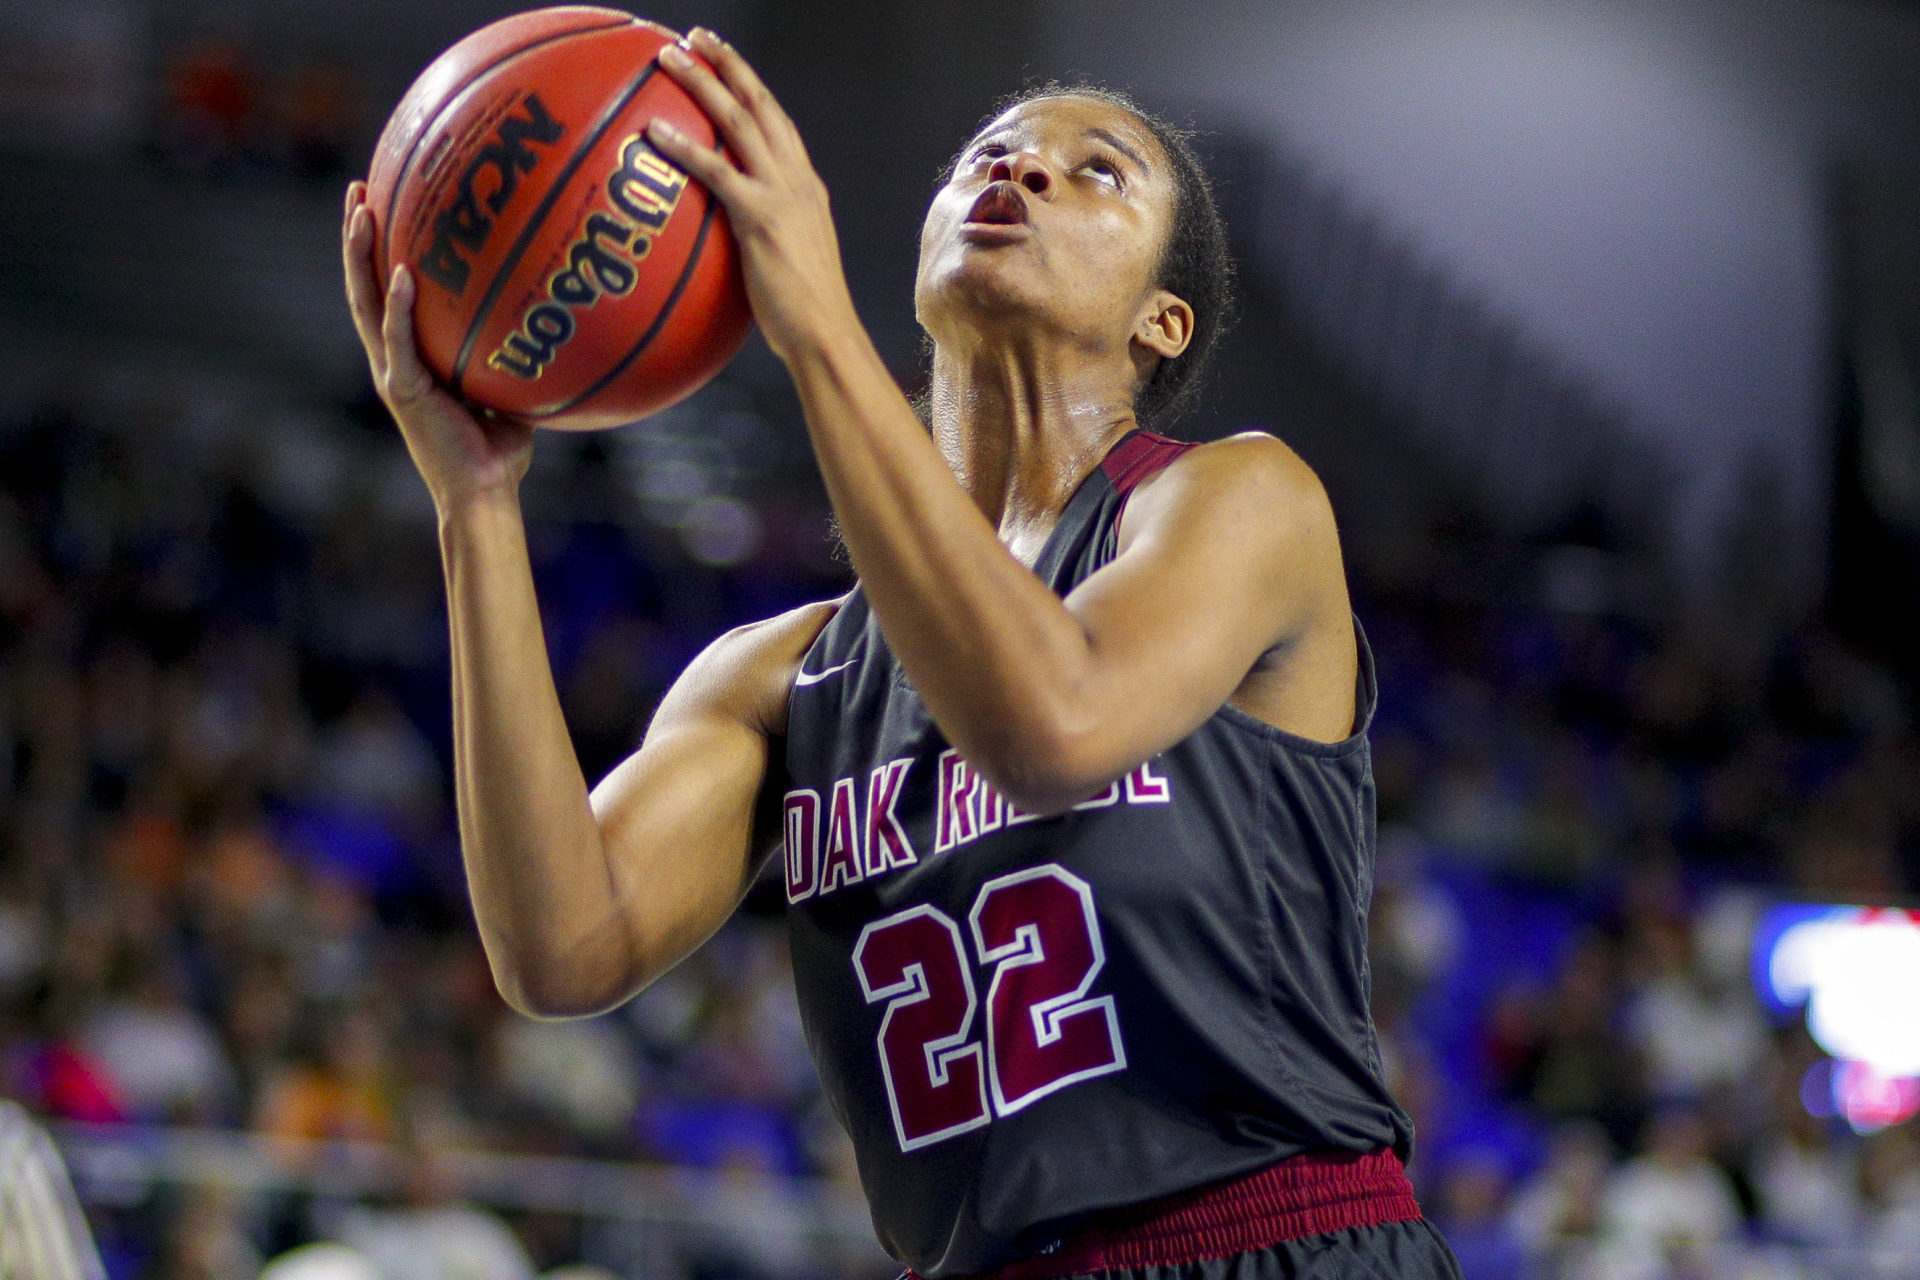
pixel 1196 265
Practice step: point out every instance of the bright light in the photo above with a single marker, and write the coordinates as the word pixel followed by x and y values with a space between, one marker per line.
pixel 1857 972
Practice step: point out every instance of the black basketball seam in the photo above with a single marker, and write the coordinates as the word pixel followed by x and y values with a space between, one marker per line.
pixel 539 219
pixel 659 319
pixel 426 131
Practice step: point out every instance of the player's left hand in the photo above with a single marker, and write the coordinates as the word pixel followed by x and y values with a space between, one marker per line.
pixel 775 201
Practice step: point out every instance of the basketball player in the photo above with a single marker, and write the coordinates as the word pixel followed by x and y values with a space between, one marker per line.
pixel 1073 789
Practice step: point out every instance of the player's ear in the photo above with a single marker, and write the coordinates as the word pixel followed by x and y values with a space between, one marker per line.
pixel 1165 325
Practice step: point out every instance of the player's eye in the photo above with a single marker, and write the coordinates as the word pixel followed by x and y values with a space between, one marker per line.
pixel 1105 171
pixel 989 151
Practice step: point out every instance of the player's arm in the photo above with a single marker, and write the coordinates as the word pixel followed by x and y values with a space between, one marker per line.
pixel 580 900
pixel 688 817
pixel 1229 556
pixel 1228 560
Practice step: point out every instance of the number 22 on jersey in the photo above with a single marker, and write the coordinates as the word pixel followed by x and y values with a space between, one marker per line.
pixel 1037 930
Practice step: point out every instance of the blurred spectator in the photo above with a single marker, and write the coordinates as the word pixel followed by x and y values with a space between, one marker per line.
pixel 123 719
pixel 751 1045
pixel 1468 1209
pixel 372 760
pixel 581 1074
pixel 207 1239
pixel 1890 1187
pixel 1577 1065
pixel 1692 1033
pixel 1414 926
pixel 1667 1209
pixel 163 1058
pixel 772 1238
pixel 210 114
pixel 146 849
pixel 262 1013
pixel 334 951
pixel 242 894
pixel 61 1080
pixel 1845 850
pixel 339 1086
pixel 1806 1181
pixel 1510 1034
pixel 372 798
pixel 1555 1214
pixel 323 112
pixel 235 729
pixel 25 938
pixel 432 1234
pixel 1567 838
pixel 1475 810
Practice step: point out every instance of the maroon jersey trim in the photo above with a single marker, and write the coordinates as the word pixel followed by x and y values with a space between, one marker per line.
pixel 1307 1195
pixel 1139 456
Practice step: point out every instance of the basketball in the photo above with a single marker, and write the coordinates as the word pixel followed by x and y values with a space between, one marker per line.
pixel 566 273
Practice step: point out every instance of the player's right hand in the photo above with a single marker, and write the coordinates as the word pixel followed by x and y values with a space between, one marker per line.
pixel 460 454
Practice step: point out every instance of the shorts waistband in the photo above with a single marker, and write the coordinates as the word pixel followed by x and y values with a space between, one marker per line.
pixel 1305 1195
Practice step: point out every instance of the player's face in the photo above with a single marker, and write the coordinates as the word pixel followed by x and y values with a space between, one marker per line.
pixel 1057 211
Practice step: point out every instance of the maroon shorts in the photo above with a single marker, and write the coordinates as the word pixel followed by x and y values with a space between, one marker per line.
pixel 1327 1214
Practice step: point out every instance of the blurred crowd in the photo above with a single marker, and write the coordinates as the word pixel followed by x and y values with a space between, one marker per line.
pixel 1583 821
pixel 225 112
pixel 229 887
pixel 230 894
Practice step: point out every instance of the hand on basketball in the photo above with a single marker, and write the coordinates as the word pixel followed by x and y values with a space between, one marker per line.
pixel 459 454
pixel 775 201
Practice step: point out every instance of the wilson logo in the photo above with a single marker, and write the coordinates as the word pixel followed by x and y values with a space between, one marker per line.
pixel 604 259
pixel 484 188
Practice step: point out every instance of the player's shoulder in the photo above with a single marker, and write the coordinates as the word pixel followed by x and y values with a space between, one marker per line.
pixel 783 638
pixel 1252 478
pixel 1250 460
pixel 752 667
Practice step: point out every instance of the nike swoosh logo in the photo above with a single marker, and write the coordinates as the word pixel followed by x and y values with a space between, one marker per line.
pixel 815 677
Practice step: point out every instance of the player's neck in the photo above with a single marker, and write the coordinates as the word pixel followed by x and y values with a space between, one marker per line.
pixel 1022 428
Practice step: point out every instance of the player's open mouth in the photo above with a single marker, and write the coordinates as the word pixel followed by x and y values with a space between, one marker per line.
pixel 1002 205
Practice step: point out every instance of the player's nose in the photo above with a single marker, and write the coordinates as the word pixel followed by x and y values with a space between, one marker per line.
pixel 1025 168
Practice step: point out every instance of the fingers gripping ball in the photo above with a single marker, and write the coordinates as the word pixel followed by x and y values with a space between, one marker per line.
pixel 567 273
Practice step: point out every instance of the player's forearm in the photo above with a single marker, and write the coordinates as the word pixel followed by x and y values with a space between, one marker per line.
pixel 1004 668
pixel 535 861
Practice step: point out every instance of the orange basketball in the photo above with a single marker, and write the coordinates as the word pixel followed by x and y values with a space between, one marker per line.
pixel 566 272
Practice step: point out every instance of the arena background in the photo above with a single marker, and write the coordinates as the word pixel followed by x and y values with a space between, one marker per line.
pixel 1602 324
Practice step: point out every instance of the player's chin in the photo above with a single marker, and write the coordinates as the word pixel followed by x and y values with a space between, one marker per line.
pixel 981 286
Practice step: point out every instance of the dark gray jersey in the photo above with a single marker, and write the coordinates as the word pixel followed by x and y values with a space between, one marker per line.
pixel 1023 1019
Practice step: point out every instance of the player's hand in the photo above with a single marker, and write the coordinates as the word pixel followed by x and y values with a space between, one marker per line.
pixel 775 201
pixel 460 454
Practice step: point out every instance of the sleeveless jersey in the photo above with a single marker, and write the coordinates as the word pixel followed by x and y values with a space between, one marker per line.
pixel 1022 1020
